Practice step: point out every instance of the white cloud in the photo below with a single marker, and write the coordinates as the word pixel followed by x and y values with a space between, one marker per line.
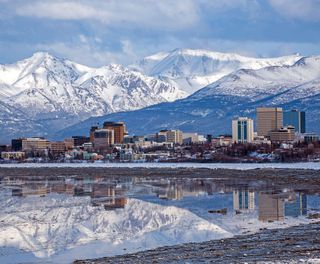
pixel 165 14
pixel 83 38
pixel 308 10
pixel 88 53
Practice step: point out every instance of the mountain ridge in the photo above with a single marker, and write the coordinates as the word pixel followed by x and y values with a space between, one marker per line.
pixel 211 109
pixel 53 94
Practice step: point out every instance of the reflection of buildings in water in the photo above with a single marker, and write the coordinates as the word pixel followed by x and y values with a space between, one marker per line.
pixel 30 190
pixel 62 188
pixel 296 205
pixel 173 192
pixel 115 203
pixel 275 206
pixel 271 207
pixel 110 196
pixel 243 200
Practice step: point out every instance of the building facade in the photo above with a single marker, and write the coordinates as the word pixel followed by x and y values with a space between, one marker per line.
pixel 16 144
pixel 242 130
pixel 119 129
pixel 103 138
pixel 35 144
pixel 92 129
pixel 78 141
pixel 175 136
pixel 283 134
pixel 269 119
pixel 296 119
pixel 57 148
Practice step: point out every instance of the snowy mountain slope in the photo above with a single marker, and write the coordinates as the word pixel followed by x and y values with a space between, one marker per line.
pixel 269 81
pixel 48 88
pixel 64 228
pixel 211 109
pixel 194 69
pixel 13 121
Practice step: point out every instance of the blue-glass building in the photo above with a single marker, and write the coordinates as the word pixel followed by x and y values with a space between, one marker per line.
pixel 295 118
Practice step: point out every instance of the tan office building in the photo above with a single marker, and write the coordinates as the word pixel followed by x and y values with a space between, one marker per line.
pixel 175 136
pixel 31 144
pixel 283 134
pixel 119 129
pixel 268 119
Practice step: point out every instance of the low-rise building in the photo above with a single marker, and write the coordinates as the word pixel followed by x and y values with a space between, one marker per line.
pixel 190 138
pixel 282 134
pixel 57 148
pixel 69 142
pixel 13 155
pixel 311 137
pixel 78 141
pixel 35 144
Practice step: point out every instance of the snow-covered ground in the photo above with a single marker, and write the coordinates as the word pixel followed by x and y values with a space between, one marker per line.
pixel 237 166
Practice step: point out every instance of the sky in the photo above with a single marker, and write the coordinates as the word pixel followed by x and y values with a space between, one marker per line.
pixel 99 32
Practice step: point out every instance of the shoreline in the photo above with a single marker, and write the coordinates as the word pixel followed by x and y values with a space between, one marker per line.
pixel 237 166
pixel 296 244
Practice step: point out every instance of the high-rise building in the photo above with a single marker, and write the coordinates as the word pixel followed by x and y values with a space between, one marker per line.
pixel 242 130
pixel 103 138
pixel 268 119
pixel 119 129
pixel 296 119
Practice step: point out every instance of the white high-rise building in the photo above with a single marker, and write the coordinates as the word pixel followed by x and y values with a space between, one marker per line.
pixel 242 130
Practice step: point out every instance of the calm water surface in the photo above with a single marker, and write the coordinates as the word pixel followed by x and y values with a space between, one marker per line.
pixel 60 219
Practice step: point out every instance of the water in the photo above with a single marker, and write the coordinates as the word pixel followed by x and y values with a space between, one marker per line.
pixel 60 219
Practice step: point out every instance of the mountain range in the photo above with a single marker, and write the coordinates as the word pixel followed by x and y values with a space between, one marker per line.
pixel 211 109
pixel 191 70
pixel 194 90
pixel 50 93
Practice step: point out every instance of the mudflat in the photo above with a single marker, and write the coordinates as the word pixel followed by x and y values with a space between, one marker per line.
pixel 302 178
pixel 298 244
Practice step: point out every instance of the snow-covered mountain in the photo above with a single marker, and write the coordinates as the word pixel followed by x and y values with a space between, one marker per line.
pixel 44 87
pixel 50 94
pixel 211 109
pixel 194 69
